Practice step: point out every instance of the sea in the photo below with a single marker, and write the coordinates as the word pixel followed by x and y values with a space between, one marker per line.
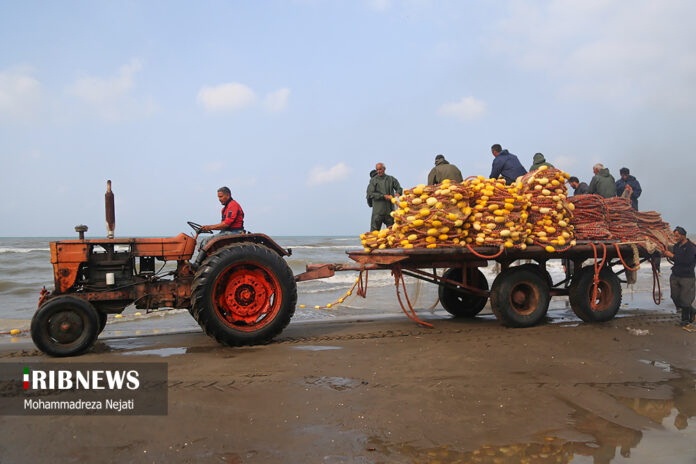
pixel 25 269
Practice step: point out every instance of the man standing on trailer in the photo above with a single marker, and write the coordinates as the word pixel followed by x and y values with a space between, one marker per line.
pixel 682 281
pixel 232 222
pixel 579 188
pixel 381 190
pixel 603 182
pixel 443 170
pixel 539 161
pixel 505 164
pixel 628 182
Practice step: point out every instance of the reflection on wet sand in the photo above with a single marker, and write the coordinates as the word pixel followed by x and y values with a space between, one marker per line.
pixel 548 447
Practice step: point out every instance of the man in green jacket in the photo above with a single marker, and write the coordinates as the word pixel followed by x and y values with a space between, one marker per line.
pixel 443 170
pixel 602 183
pixel 539 161
pixel 381 190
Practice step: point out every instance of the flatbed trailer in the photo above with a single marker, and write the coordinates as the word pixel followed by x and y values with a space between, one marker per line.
pixel 520 293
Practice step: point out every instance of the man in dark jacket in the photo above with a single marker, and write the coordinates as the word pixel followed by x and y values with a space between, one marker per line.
pixel 539 161
pixel 580 188
pixel 682 281
pixel 506 165
pixel 602 183
pixel 381 190
pixel 628 181
pixel 443 170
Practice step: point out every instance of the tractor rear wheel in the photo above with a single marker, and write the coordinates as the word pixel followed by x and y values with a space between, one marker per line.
pixel 520 297
pixel 65 326
pixel 608 297
pixel 461 303
pixel 243 295
pixel 102 321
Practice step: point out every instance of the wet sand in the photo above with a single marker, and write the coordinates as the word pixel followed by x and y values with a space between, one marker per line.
pixel 385 390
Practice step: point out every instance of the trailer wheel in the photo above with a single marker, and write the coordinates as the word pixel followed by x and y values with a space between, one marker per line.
pixel 462 303
pixel 608 295
pixel 520 297
pixel 541 270
pixel 65 326
pixel 243 295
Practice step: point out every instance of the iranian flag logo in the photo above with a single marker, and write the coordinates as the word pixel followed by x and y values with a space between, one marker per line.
pixel 26 378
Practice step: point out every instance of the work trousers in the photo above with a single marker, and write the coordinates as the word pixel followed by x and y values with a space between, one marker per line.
pixel 683 290
pixel 202 254
pixel 379 219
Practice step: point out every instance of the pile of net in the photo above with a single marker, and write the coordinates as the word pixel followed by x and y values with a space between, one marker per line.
pixel 427 216
pixel 550 214
pixel 590 219
pixel 622 219
pixel 598 218
pixel 499 215
pixel 656 233
pixel 481 212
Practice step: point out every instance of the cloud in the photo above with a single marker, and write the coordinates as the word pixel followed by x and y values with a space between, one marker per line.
pixel 379 5
pixel 466 109
pixel 97 91
pixel 231 96
pixel 111 98
pixel 638 53
pixel 277 101
pixel 320 175
pixel 20 94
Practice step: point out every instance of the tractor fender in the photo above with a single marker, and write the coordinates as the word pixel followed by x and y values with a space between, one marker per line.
pixel 222 241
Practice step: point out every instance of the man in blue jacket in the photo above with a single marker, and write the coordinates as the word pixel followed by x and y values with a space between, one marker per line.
pixel 628 180
pixel 506 164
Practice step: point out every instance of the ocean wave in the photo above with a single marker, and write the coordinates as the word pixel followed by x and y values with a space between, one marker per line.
pixel 21 250
pixel 25 268
pixel 15 288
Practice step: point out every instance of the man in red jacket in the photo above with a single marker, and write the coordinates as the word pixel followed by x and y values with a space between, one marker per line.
pixel 232 222
pixel 232 215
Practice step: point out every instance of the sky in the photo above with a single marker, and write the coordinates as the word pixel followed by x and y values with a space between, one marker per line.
pixel 291 104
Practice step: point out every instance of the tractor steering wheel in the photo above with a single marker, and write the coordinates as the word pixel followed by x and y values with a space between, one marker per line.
pixel 197 228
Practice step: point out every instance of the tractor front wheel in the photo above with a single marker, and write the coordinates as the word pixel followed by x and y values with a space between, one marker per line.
pixel 243 295
pixel 65 326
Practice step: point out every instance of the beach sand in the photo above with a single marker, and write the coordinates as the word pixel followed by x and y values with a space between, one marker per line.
pixel 386 390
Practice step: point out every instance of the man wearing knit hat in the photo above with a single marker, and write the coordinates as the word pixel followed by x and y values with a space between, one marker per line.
pixel 682 280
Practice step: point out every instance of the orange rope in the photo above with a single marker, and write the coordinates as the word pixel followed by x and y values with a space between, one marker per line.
pixel 656 278
pixel 595 280
pixel 544 245
pixel 618 252
pixel 396 272
pixel 362 288
pixel 483 256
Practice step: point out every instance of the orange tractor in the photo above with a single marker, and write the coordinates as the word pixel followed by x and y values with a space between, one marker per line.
pixel 243 293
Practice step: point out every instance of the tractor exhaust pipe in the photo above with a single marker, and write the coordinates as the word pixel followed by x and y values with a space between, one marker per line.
pixel 110 211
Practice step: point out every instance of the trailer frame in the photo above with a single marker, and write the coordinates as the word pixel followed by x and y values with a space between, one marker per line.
pixel 518 297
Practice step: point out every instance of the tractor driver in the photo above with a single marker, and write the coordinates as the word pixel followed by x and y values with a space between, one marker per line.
pixel 232 222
